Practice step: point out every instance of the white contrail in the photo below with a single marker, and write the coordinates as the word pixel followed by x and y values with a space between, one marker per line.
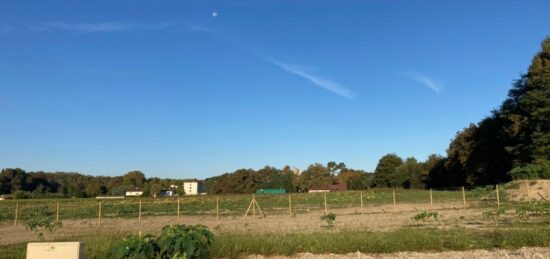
pixel 111 26
pixel 428 82
pixel 324 83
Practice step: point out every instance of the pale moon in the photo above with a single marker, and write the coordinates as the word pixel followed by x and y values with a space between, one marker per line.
pixel 215 14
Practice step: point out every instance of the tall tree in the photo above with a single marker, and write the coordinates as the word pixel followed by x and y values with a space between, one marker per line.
pixel 527 111
pixel 384 175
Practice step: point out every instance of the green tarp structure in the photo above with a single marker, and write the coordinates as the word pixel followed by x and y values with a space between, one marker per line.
pixel 270 191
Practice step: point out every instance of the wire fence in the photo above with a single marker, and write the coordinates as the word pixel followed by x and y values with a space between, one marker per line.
pixel 293 204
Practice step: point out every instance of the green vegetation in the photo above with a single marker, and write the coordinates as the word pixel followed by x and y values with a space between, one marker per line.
pixel 425 215
pixel 328 219
pixel 41 220
pixel 347 241
pixel 228 204
pixel 177 241
pixel 526 210
pixel 136 247
pixel 540 170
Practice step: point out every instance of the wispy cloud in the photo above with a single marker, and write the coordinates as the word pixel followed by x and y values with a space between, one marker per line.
pixel 426 81
pixel 6 28
pixel 104 27
pixel 305 72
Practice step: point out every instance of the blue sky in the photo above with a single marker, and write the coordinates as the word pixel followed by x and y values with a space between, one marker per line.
pixel 198 88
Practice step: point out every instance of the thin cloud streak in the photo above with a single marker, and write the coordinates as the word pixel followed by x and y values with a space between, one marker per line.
pixel 321 82
pixel 105 27
pixel 6 28
pixel 426 81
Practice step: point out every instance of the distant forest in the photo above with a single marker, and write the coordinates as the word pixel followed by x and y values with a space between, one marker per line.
pixel 512 142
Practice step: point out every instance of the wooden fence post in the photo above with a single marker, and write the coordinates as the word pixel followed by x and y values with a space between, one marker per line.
pixel 16 214
pixel 139 212
pixel 290 206
pixel 528 192
pixel 326 210
pixel 178 212
pixel 217 208
pixel 431 200
pixel 498 197
pixel 57 213
pixel 253 206
pixel 394 200
pixel 463 197
pixel 361 202
pixel 99 215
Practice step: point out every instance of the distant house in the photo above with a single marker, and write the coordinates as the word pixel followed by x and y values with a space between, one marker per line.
pixel 134 192
pixel 194 188
pixel 330 188
pixel 271 191
pixel 319 190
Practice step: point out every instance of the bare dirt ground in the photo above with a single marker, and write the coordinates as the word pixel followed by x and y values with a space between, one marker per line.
pixel 374 218
pixel 525 252
pixel 529 190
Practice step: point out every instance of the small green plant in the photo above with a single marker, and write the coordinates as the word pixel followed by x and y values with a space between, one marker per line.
pixel 328 219
pixel 40 220
pixel 181 241
pixel 525 210
pixel 136 247
pixel 174 242
pixel 494 214
pixel 425 215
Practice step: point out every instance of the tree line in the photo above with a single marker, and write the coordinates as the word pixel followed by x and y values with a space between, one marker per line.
pixel 69 184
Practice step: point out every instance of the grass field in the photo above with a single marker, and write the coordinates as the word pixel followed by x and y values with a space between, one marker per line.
pixel 377 226
pixel 238 245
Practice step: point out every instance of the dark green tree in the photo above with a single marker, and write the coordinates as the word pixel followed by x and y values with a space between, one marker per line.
pixel 384 175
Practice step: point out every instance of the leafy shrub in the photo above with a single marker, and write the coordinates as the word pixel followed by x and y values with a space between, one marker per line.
pixel 181 241
pixel 329 219
pixel 494 214
pixel 525 210
pixel 40 219
pixel 425 215
pixel 540 170
pixel 178 241
pixel 136 247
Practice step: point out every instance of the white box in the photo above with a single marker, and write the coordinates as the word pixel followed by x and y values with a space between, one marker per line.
pixel 55 250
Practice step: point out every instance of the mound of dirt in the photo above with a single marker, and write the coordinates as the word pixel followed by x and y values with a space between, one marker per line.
pixel 528 190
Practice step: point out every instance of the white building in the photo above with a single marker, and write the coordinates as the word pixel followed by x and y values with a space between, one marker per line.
pixel 134 192
pixel 193 188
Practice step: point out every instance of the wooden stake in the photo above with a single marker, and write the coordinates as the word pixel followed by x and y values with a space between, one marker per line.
pixel 361 203
pixel 16 214
pixel 498 197
pixel 290 206
pixel 247 210
pixel 139 211
pixel 528 192
pixel 431 200
pixel 253 206
pixel 57 213
pixel 394 200
pixel 463 197
pixel 259 209
pixel 99 215
pixel 326 209
pixel 217 208
pixel 178 212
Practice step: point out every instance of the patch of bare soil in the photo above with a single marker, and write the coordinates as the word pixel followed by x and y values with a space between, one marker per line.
pixel 374 218
pixel 529 190
pixel 525 252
